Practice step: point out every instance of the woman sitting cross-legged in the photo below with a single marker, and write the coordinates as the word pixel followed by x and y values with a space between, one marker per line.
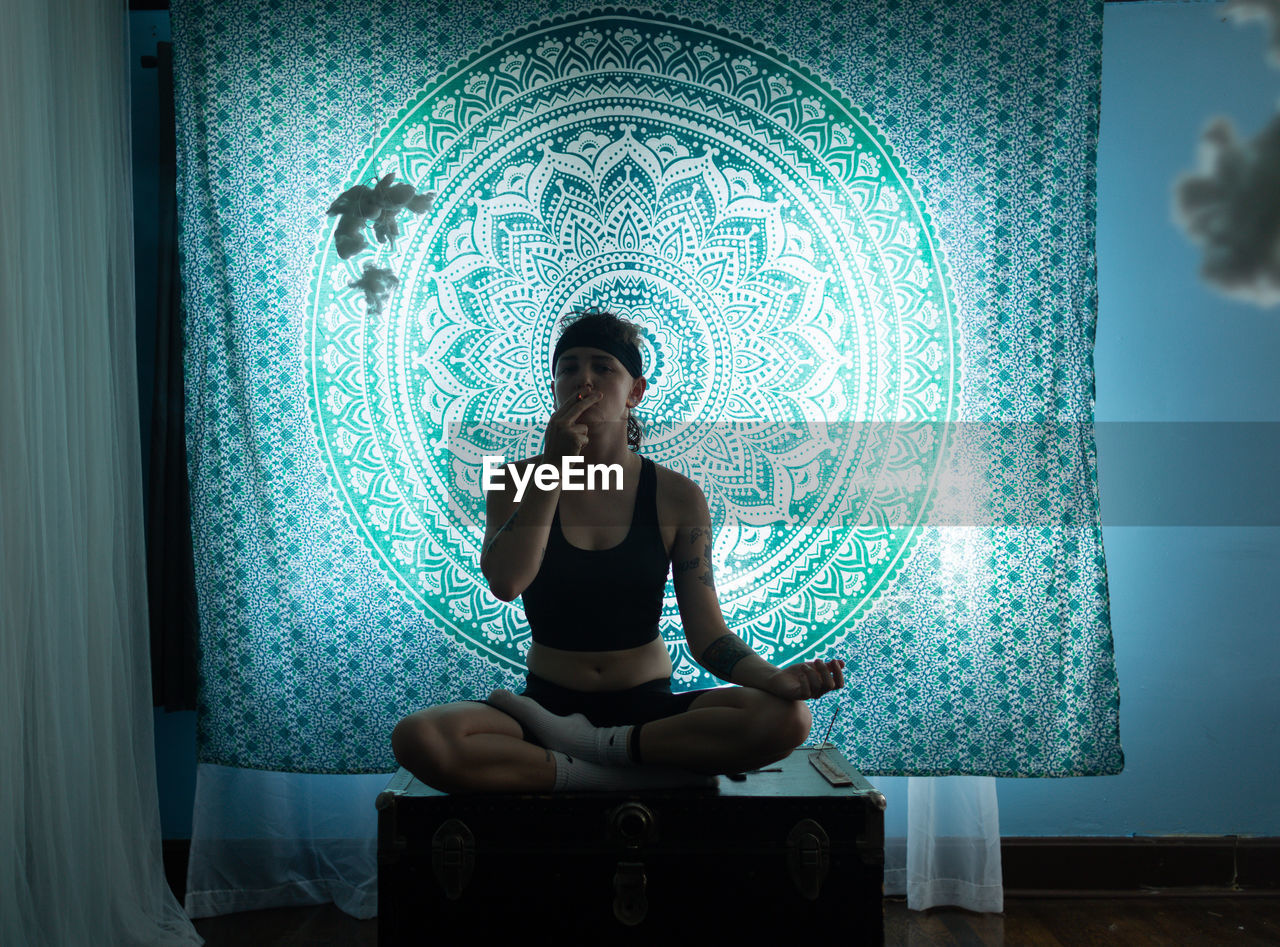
pixel 597 711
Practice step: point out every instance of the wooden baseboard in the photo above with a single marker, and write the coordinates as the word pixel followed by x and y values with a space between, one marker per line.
pixel 1073 866
pixel 1142 865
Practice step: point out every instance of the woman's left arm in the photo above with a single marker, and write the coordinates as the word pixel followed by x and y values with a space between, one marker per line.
pixel 713 645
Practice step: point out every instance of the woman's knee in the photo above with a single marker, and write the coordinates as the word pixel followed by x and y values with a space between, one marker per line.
pixel 791 722
pixel 800 722
pixel 418 744
pixel 429 743
pixel 785 724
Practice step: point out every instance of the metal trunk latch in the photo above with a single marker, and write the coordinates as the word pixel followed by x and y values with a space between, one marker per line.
pixel 453 857
pixel 808 857
pixel 630 904
pixel 631 825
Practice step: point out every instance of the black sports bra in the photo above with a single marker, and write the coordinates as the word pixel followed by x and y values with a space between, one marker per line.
pixel 602 599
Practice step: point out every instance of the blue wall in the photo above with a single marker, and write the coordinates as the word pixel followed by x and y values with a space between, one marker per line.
pixel 1193 609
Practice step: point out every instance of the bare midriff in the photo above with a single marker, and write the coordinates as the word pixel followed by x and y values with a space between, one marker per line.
pixel 601 670
pixel 606 670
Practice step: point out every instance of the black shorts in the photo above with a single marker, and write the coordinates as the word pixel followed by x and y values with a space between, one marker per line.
pixel 643 703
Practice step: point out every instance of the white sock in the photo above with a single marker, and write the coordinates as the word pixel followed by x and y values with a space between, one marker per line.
pixel 575 735
pixel 573 773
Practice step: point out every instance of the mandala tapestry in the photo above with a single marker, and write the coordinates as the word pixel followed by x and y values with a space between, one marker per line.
pixel 858 241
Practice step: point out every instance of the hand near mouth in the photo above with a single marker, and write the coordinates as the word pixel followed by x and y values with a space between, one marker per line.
pixel 566 433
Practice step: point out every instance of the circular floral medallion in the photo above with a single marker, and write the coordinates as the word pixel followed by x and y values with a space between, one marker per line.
pixel 799 334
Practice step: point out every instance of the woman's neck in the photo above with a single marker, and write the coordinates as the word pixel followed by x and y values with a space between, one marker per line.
pixel 610 447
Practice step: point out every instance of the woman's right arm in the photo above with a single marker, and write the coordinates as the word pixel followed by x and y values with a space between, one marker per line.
pixel 515 537
pixel 515 534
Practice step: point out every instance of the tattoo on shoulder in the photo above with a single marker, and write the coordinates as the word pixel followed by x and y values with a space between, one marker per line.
pixel 722 654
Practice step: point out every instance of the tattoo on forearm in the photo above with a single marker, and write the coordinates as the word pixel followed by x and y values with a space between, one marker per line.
pixel 722 654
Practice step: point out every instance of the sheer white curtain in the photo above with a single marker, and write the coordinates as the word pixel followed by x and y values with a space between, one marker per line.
pixel 950 854
pixel 79 820
pixel 262 840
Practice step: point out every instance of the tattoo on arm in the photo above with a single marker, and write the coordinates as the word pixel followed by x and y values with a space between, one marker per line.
pixel 722 654
pixel 686 565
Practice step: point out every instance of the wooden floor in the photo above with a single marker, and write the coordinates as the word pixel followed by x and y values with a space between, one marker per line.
pixel 1163 920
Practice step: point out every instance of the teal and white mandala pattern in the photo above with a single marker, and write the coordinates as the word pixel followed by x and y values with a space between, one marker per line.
pixel 799 331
